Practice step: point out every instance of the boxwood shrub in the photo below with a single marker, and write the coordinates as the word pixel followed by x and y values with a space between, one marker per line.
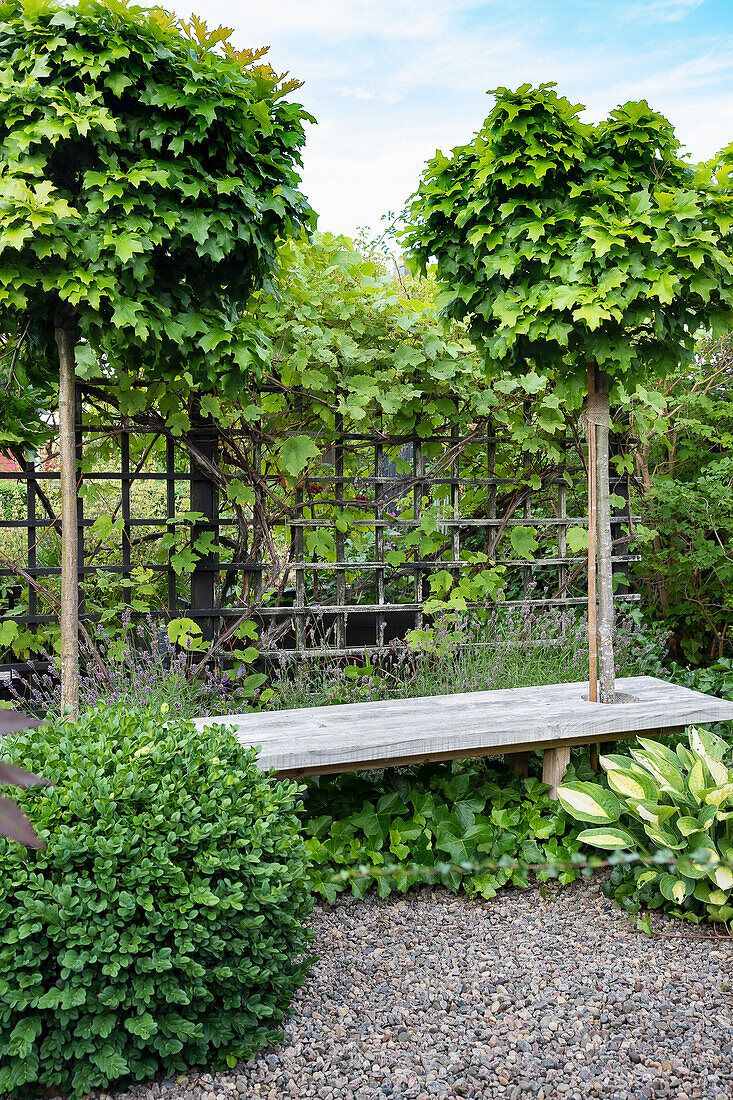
pixel 163 924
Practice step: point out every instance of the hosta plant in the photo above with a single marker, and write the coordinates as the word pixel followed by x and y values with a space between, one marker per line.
pixel 162 925
pixel 674 810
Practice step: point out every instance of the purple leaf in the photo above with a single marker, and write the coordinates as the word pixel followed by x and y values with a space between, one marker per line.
pixel 12 721
pixel 19 777
pixel 15 824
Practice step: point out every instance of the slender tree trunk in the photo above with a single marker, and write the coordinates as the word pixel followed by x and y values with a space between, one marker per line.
pixel 592 524
pixel 69 611
pixel 606 672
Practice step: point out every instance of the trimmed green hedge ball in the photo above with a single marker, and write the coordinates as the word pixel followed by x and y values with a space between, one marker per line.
pixel 163 925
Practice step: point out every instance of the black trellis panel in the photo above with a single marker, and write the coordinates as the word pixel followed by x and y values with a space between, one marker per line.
pixel 347 601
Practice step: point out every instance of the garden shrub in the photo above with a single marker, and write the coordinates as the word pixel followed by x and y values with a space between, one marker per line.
pixel 673 809
pixel 468 824
pixel 163 924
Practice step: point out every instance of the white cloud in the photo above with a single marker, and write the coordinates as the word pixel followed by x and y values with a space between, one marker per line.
pixel 391 80
pixel 661 11
pixel 368 93
pixel 336 20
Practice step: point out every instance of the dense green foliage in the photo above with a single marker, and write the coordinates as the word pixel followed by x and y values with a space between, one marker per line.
pixel 162 926
pixel 564 243
pixel 435 823
pixel 149 170
pixel 352 340
pixel 683 460
pixel 352 347
pixel 675 803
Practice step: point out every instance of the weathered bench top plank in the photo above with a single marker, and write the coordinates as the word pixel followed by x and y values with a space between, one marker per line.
pixel 351 736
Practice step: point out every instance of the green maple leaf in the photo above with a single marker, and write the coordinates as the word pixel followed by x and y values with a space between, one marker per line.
pixel 126 246
pixel 563 297
pixel 592 313
pixel 664 287
pixel 126 315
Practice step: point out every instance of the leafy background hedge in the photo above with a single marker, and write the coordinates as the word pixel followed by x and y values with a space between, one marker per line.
pixel 163 924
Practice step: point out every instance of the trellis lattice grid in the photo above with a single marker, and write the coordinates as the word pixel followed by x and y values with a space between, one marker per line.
pixel 339 563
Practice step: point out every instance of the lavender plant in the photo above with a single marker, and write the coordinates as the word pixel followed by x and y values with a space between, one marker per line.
pixel 512 647
pixel 144 668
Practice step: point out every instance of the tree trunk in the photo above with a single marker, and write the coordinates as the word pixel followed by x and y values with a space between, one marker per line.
pixel 69 612
pixel 606 672
pixel 592 527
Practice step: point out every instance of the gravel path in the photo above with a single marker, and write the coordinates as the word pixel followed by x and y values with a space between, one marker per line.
pixel 431 995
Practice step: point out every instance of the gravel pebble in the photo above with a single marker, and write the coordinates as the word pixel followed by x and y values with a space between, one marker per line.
pixel 524 996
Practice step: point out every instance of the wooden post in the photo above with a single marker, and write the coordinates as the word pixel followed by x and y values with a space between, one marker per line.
pixel 69 611
pixel 607 675
pixel 554 763
pixel 204 498
pixel 592 638
pixel 518 762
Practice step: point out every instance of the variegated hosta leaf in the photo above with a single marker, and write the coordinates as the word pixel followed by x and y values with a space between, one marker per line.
pixel 663 838
pixel 713 744
pixel 669 777
pixel 674 888
pixel 647 876
pixel 616 760
pixel 716 796
pixel 686 757
pixel 722 877
pixel 707 815
pixel 721 775
pixel 690 869
pixel 612 837
pixel 632 785
pixel 589 802
pixel 687 825
pixel 650 812
pixel 712 750
pixel 696 780
pixel 703 855
pixel 660 752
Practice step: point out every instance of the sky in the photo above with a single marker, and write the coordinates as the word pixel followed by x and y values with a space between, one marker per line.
pixel 391 81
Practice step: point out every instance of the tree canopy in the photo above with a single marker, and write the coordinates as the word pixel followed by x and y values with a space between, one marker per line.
pixel 148 170
pixel 563 242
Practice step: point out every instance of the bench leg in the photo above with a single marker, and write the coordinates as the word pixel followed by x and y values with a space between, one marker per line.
pixel 554 763
pixel 518 762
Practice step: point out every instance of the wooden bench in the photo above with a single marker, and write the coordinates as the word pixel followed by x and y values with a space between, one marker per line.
pixel 355 736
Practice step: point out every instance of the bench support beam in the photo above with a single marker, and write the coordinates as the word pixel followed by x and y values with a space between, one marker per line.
pixel 518 762
pixel 554 763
